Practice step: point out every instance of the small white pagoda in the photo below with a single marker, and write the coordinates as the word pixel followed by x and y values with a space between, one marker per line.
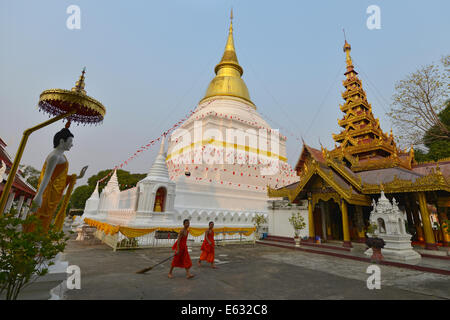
pixel 390 223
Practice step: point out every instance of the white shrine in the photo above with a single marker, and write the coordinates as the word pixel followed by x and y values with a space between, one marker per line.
pixel 217 168
pixel 390 222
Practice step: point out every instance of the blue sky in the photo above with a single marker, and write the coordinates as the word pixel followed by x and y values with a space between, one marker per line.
pixel 150 62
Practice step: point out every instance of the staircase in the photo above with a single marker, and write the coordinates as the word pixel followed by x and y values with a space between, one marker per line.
pixel 280 239
pixel 291 241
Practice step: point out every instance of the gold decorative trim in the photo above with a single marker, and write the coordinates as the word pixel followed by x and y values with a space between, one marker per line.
pixel 316 197
pixel 311 168
pixel 435 181
pixel 225 145
pixel 73 97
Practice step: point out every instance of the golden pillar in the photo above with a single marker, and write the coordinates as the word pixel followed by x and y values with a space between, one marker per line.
pixel 417 222
pixel 311 220
pixel 360 224
pixel 430 242
pixel 444 226
pixel 347 242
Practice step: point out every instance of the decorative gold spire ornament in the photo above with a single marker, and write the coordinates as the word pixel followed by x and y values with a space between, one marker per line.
pixel 228 81
pixel 361 135
pixel 60 101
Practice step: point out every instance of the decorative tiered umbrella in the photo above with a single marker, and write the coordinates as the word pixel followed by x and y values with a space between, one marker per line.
pixel 74 105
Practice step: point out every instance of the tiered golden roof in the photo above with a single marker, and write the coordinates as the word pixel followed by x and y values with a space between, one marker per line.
pixel 228 81
pixel 366 163
pixel 362 140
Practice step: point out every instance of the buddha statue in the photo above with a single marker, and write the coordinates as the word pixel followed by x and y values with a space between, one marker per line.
pixel 158 204
pixel 54 179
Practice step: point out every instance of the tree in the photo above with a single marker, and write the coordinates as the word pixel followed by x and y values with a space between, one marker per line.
pixel 25 256
pixel 82 193
pixel 418 100
pixel 30 174
pixel 79 196
pixel 437 148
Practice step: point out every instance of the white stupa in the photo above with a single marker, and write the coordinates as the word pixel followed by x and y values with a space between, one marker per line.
pixel 156 194
pixel 226 147
pixel 217 168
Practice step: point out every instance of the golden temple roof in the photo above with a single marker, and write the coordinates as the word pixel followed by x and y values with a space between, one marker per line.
pixel 361 136
pixel 228 81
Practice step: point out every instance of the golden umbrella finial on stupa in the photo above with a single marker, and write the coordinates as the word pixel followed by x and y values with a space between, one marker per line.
pixel 347 49
pixel 228 80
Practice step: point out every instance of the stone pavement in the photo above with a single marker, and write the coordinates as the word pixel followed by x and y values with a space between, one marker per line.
pixel 431 263
pixel 250 272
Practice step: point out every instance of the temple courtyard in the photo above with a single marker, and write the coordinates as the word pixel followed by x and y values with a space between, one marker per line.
pixel 245 272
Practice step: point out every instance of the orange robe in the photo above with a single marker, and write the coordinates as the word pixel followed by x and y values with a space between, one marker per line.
pixel 52 194
pixel 182 259
pixel 208 249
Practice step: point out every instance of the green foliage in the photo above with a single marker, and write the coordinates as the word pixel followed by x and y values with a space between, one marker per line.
pixel 125 178
pixel 438 148
pixel 445 226
pixel 420 155
pixel 297 221
pixel 24 255
pixel 31 175
pixel 371 228
pixel 82 193
pixel 259 220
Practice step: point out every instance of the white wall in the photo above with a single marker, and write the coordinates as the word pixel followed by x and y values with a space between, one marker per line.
pixel 279 213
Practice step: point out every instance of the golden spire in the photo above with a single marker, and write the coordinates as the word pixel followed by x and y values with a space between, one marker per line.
pixel 229 57
pixel 231 20
pixel 347 49
pixel 79 85
pixel 228 81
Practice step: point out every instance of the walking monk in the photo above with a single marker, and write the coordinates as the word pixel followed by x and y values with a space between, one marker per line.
pixel 208 247
pixel 182 258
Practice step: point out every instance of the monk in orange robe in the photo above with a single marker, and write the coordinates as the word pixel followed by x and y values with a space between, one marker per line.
pixel 182 258
pixel 208 247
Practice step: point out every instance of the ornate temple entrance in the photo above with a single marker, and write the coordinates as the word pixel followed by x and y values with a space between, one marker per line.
pixel 328 221
pixel 365 163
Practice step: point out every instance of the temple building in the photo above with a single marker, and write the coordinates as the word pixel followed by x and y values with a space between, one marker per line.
pixel 21 192
pixel 339 185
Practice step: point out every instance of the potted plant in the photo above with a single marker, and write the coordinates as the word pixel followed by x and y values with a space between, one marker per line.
pixel 259 220
pixel 373 242
pixel 298 223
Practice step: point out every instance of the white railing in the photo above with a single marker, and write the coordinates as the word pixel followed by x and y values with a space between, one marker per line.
pixel 119 242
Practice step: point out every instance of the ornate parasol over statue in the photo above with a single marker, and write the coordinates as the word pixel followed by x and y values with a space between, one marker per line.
pixel 78 106
pixel 74 105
